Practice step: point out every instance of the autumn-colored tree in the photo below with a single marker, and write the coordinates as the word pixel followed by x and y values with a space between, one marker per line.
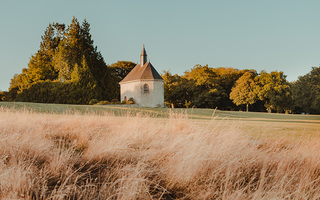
pixel 178 91
pixel 202 86
pixel 243 91
pixel 211 86
pixel 274 90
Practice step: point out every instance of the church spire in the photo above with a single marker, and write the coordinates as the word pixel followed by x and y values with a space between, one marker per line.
pixel 143 56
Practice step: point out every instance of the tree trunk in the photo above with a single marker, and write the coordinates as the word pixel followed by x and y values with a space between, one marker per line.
pixel 247 107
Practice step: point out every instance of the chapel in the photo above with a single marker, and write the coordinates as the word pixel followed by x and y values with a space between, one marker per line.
pixel 144 84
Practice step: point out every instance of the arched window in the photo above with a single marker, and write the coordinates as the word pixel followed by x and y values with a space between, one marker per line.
pixel 145 88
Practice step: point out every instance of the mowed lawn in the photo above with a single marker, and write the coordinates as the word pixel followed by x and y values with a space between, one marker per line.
pixel 257 124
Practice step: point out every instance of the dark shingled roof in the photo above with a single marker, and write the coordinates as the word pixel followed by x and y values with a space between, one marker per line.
pixel 146 72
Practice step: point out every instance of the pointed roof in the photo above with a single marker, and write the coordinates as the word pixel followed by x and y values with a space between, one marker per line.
pixel 146 72
pixel 143 52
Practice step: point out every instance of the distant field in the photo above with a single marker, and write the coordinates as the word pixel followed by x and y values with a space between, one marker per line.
pixel 256 124
pixel 196 113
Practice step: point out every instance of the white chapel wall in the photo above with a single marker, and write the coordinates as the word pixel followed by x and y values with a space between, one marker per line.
pixel 158 98
pixel 131 89
pixel 153 98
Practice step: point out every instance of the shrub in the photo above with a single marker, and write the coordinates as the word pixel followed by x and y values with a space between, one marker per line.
pixel 115 101
pixel 103 103
pixel 124 102
pixel 93 101
pixel 131 99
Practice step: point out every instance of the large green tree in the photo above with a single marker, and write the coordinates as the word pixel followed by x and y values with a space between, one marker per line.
pixel 306 91
pixel 243 90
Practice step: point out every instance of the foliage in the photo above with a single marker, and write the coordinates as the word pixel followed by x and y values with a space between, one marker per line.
pixel 3 95
pixel 67 60
pixel 202 87
pixel 93 101
pixel 274 90
pixel 103 103
pixel 115 101
pixel 119 71
pixel 243 91
pixel 207 87
pixel 177 89
pixel 307 91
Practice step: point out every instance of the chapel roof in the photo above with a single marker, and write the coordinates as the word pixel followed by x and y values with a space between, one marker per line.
pixel 143 52
pixel 145 72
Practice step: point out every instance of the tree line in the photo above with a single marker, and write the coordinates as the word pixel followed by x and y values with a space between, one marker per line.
pixel 233 89
pixel 68 68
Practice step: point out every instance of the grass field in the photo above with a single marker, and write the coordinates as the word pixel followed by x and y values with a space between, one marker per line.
pixel 50 151
pixel 253 123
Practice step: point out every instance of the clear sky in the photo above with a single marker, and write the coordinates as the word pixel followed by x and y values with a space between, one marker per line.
pixel 269 35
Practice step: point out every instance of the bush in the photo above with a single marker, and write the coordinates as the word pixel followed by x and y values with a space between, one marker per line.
pixel 131 99
pixel 93 101
pixel 56 92
pixel 115 101
pixel 103 103
pixel 124 102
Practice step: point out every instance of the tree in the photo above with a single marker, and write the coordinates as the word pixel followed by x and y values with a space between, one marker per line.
pixel 274 90
pixel 306 91
pixel 211 86
pixel 67 57
pixel 178 91
pixel 121 69
pixel 243 91
pixel 204 85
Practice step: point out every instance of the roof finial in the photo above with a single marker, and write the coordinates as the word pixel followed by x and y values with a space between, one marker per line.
pixel 143 52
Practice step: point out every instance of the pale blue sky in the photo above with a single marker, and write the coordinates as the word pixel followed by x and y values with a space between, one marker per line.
pixel 281 35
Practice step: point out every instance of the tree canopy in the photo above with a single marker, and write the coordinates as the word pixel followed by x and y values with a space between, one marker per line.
pixel 67 62
pixel 228 88
pixel 307 92
pixel 274 90
pixel 243 90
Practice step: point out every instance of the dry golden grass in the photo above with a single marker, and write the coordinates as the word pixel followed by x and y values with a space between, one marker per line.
pixel 74 156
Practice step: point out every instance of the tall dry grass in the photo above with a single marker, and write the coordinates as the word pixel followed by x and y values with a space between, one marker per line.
pixel 73 156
